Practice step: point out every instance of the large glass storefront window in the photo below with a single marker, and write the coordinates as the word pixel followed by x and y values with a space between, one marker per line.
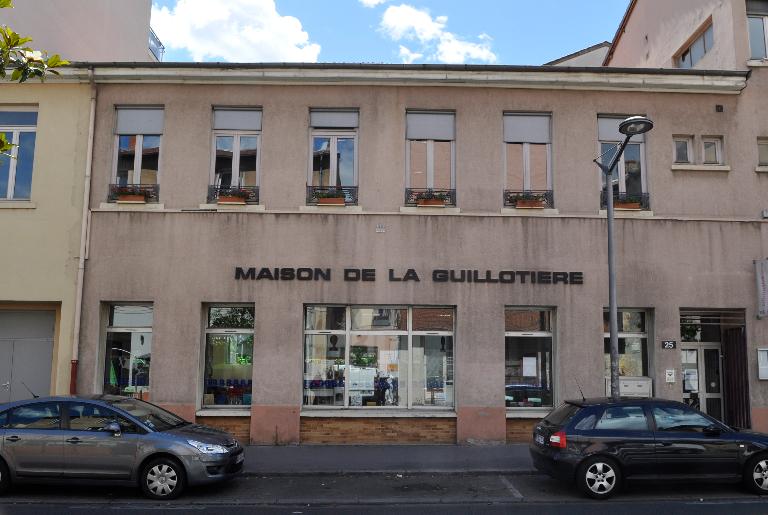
pixel 228 356
pixel 128 350
pixel 528 358
pixel 633 343
pixel 367 357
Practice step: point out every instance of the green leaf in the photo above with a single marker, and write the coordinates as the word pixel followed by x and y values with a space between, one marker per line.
pixel 5 3
pixel 16 74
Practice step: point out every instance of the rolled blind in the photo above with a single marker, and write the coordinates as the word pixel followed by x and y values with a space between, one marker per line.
pixel 757 7
pixel 608 130
pixel 329 119
pixel 438 126
pixel 237 119
pixel 526 128
pixel 139 121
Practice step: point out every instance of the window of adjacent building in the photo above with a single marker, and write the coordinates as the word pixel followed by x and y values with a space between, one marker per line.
pixel 629 176
pixel 228 372
pixel 633 343
pixel 430 152
pixel 16 166
pixel 333 162
pixel 138 133
pixel 683 147
pixel 527 152
pixel 378 356
pixel 696 51
pixel 762 152
pixel 528 365
pixel 712 148
pixel 758 36
pixel 128 349
pixel 236 147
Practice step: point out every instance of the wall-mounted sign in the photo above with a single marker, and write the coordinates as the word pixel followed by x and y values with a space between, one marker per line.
pixel 761 272
pixel 669 344
pixel 410 275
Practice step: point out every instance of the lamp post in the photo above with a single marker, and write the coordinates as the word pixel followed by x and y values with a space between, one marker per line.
pixel 632 126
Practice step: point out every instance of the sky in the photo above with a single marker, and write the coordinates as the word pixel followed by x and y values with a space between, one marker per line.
pixel 383 31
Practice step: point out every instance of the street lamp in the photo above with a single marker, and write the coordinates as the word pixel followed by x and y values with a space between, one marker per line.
pixel 632 126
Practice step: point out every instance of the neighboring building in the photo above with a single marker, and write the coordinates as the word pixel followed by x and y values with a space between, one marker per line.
pixel 88 30
pixel 384 319
pixel 590 56
pixel 41 209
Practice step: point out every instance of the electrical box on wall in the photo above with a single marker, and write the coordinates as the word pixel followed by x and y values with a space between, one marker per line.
pixel 638 387
pixel 762 363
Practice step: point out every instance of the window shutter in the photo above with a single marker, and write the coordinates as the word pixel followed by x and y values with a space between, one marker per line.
pixel 139 121
pixel 330 119
pixel 237 119
pixel 757 7
pixel 526 128
pixel 608 130
pixel 18 118
pixel 437 126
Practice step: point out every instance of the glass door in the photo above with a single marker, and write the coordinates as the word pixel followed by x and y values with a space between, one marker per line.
pixel 701 376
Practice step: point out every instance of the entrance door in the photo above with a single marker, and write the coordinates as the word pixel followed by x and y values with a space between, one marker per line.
pixel 701 377
pixel 26 353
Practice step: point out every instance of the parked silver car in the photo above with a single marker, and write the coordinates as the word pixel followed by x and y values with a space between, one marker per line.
pixel 111 439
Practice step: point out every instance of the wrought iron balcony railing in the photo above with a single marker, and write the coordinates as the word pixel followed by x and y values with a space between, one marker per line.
pixel 627 201
pixel 134 193
pixel 529 199
pixel 332 195
pixel 155 46
pixel 233 195
pixel 429 197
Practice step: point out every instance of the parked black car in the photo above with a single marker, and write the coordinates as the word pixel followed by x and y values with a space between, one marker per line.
pixel 599 443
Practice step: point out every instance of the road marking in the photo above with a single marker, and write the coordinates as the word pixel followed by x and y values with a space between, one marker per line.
pixel 514 491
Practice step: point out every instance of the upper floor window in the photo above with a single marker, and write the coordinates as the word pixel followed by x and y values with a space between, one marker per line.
pixel 683 149
pixel 712 150
pixel 16 166
pixel 137 158
pixel 758 36
pixel 689 57
pixel 333 162
pixel 235 163
pixel 628 180
pixel 430 156
pixel 527 156
pixel 762 152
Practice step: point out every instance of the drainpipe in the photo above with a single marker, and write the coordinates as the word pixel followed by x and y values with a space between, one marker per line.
pixel 84 233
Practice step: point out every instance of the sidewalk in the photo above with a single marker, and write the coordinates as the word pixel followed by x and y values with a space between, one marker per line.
pixel 349 459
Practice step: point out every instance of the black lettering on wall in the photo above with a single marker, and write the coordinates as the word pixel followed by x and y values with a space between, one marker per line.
pixel 304 274
pixel 369 274
pixel 322 274
pixel 411 275
pixel 560 277
pixel 392 276
pixel 351 274
pixel 544 278
pixel 506 276
pixel 240 273
pixel 576 277
pixel 440 276
pixel 265 273
pixel 287 274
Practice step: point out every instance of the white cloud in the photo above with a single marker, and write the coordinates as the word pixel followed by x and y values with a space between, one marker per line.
pixel 372 3
pixel 235 31
pixel 407 22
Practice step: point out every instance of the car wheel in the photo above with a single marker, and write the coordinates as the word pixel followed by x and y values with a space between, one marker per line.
pixel 163 478
pixel 5 477
pixel 756 474
pixel 599 477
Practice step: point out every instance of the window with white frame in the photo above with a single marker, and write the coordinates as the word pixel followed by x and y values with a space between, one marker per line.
pixel 712 150
pixel 236 147
pixel 758 35
pixel 683 149
pixel 689 57
pixel 333 163
pixel 762 152
pixel 228 366
pixel 137 151
pixel 19 128
pixel 128 349
pixel 378 356
pixel 628 180
pixel 528 358
pixel 430 150
pixel 527 151
pixel 633 342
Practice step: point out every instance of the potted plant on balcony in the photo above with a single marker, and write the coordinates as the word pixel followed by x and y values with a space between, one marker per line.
pixel 135 194
pixel 627 202
pixel 431 198
pixel 232 196
pixel 331 197
pixel 528 200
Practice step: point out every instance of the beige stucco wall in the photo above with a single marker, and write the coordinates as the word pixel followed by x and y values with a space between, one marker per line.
pixel 41 238
pixel 85 30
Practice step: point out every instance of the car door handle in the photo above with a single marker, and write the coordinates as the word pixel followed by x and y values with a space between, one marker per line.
pixel 12 438
pixel 74 440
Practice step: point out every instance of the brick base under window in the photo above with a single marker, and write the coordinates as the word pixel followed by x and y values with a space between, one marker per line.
pixel 519 430
pixel 239 427
pixel 391 430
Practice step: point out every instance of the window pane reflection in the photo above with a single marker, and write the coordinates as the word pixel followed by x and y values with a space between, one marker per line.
pixel 379 319
pixel 528 371
pixel 228 369
pixel 432 370
pixel 321 162
pixel 417 168
pixel 126 155
pixel 223 165
pixel 324 367
pixel 24 157
pixel 128 357
pixel 248 160
pixel 150 154
pixel 378 370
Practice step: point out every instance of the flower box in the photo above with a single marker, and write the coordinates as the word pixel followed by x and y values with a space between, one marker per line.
pixel 431 202
pixel 530 203
pixel 230 199
pixel 331 201
pixel 131 197
pixel 618 204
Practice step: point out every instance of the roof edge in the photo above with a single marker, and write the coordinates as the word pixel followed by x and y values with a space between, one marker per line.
pixel 619 32
pixel 578 53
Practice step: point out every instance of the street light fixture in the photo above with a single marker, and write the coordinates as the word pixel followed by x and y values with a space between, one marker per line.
pixel 632 126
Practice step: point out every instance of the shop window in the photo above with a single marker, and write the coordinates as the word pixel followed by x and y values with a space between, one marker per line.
pixel 633 343
pixel 228 373
pixel 378 356
pixel 128 350
pixel 18 127
pixel 528 358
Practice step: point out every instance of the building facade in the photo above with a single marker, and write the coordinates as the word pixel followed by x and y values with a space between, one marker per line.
pixel 395 254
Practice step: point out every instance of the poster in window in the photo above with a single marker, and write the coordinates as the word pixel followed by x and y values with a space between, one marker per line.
pixel 530 366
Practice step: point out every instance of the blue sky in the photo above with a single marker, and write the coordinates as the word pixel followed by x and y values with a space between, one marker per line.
pixel 391 31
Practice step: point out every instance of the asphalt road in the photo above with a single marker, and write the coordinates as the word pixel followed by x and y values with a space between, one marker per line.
pixel 422 494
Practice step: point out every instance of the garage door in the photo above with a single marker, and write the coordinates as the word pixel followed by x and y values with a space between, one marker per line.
pixel 26 352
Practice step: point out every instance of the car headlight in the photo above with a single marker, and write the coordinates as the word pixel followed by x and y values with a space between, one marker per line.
pixel 207 448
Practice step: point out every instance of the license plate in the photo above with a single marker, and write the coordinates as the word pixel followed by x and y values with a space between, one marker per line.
pixel 240 458
pixel 539 439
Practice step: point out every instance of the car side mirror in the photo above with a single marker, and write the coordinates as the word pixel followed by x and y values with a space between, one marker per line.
pixel 712 430
pixel 113 427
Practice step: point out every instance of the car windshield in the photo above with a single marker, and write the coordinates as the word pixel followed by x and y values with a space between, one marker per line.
pixel 150 415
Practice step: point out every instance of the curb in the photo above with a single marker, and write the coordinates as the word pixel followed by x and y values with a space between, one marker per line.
pixel 372 472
